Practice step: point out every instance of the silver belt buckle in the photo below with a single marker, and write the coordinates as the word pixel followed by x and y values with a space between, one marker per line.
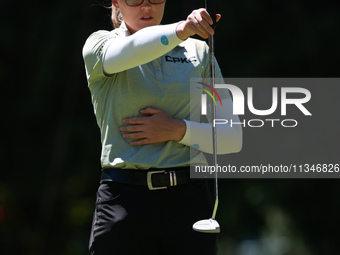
pixel 173 179
pixel 149 180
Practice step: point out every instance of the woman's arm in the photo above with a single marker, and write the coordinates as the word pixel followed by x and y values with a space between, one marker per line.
pixel 149 43
pixel 145 45
pixel 161 127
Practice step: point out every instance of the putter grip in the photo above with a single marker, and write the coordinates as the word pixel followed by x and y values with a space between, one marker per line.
pixel 210 6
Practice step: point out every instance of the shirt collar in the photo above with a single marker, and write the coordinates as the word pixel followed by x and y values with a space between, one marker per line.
pixel 122 31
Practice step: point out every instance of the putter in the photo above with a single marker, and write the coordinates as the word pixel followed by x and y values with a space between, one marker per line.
pixel 211 225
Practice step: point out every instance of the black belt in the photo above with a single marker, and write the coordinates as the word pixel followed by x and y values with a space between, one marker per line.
pixel 153 178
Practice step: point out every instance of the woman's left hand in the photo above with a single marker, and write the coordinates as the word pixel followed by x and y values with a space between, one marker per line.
pixel 155 127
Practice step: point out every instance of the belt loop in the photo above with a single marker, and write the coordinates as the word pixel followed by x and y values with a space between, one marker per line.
pixel 175 178
pixel 171 179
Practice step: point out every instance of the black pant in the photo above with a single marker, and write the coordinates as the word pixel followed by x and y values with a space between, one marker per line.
pixel 132 220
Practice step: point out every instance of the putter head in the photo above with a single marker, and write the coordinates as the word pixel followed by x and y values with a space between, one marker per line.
pixel 207 226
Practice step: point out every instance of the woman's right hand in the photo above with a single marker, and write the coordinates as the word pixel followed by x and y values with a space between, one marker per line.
pixel 198 22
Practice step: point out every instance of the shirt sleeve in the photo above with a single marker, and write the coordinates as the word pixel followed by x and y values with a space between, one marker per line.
pixel 142 47
pixel 229 136
pixel 92 52
pixel 108 52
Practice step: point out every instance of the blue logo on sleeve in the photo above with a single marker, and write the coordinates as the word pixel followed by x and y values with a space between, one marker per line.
pixel 164 40
pixel 195 146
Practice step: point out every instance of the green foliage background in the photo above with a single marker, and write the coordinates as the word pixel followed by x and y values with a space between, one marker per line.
pixel 50 145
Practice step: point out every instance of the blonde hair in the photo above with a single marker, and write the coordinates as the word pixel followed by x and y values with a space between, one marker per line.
pixel 116 17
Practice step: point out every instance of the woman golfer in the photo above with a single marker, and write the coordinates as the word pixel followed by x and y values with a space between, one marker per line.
pixel 139 77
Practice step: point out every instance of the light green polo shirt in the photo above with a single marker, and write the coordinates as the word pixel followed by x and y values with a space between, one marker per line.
pixel 163 83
